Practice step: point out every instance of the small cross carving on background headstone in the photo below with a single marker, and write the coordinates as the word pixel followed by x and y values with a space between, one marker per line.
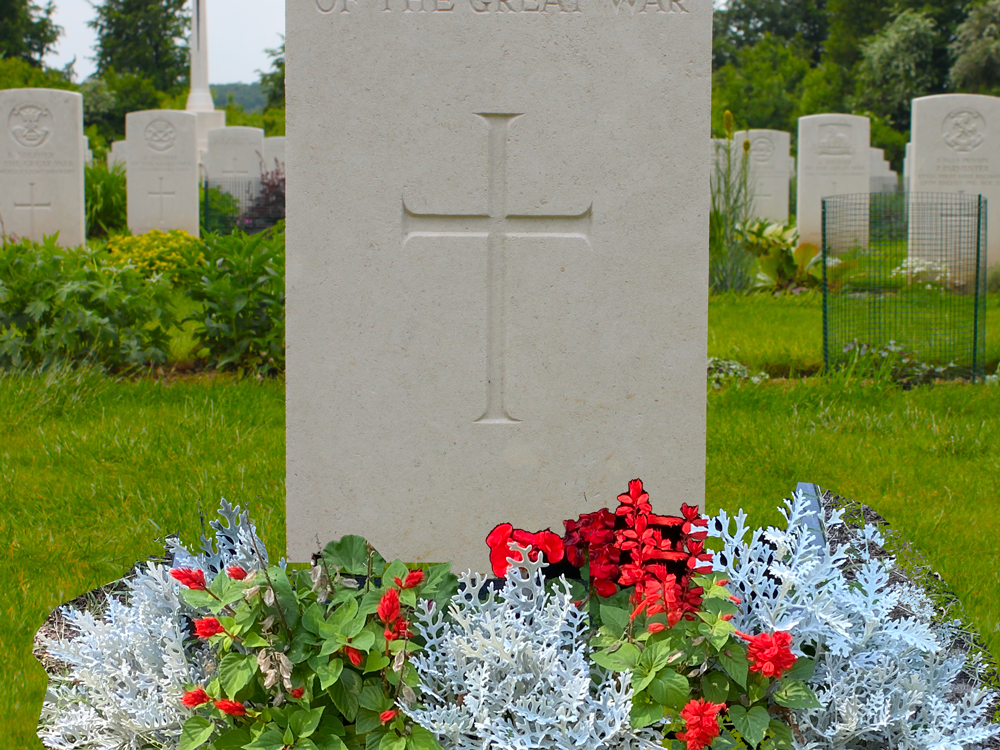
pixel 161 195
pixel 496 225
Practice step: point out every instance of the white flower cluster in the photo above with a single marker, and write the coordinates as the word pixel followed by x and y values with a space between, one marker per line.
pixel 123 674
pixel 930 273
pixel 509 671
pixel 883 674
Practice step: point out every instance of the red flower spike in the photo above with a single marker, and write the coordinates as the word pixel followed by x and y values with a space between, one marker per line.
pixel 388 607
pixel 193 579
pixel 769 655
pixel 298 692
pixel 656 627
pixel 354 655
pixel 233 708
pixel 207 627
pixel 386 716
pixel 236 572
pixel 195 698
pixel 412 580
pixel 636 500
pixel 701 719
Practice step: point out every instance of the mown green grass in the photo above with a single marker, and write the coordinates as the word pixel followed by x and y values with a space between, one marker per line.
pixel 783 336
pixel 94 472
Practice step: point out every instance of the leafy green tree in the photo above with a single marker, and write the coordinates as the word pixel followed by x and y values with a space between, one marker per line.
pixel 744 23
pixel 145 38
pixel 15 73
pixel 107 100
pixel 850 22
pixel 27 31
pixel 762 88
pixel 976 51
pixel 273 82
pixel 895 67
pixel 825 88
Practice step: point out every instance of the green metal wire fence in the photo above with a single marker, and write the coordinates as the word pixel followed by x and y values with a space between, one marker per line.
pixel 249 205
pixel 905 272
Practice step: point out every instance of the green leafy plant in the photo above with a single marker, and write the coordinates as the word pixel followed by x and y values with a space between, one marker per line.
pixel 155 252
pixel 729 264
pixel 59 305
pixel 782 263
pixel 314 659
pixel 241 287
pixel 105 198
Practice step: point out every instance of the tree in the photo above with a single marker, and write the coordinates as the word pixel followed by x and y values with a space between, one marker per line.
pixel 976 51
pixel 27 31
pixel 18 74
pixel 744 23
pixel 273 82
pixel 145 38
pixel 850 22
pixel 895 67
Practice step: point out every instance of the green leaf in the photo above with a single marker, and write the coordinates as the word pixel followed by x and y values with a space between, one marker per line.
pixel 350 554
pixel 615 618
pixel 376 662
pixel 752 724
pixel 363 640
pixel 421 739
pixel 197 599
pixel 367 721
pixel 392 741
pixel 795 694
pixel 670 689
pixel 325 741
pixel 285 595
pixel 304 721
pixel 234 739
pixel 802 669
pixel 373 698
pixel 271 739
pixel 781 733
pixel 734 660
pixel 395 569
pixel 196 732
pixel 313 619
pixel 339 620
pixel 715 687
pixel 624 658
pixel 329 673
pixel 345 693
pixel 235 671
pixel 253 640
pixel 725 741
pixel 644 714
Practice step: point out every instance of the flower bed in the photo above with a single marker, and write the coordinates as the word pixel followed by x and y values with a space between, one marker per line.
pixel 626 632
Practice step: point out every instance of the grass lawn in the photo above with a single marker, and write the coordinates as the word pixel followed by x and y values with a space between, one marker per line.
pixel 95 472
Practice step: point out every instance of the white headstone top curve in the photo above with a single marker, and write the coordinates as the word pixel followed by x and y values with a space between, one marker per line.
pixel 234 153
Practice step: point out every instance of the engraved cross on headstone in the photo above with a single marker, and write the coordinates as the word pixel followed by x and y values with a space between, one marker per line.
pixel 496 225
pixel 161 195
pixel 31 205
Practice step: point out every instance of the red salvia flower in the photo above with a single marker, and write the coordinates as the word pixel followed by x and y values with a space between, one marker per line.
pixel 233 708
pixel 388 607
pixel 636 500
pixel 701 719
pixel 412 580
pixel 354 655
pixel 193 579
pixel 236 572
pixel 499 541
pixel 769 654
pixel 195 698
pixel 386 716
pixel 499 544
pixel 298 692
pixel 656 627
pixel 207 627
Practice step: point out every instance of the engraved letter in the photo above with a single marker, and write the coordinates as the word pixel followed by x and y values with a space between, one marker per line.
pixel 505 3
pixel 679 4
pixel 527 8
pixel 620 3
pixel 445 5
pixel 646 3
pixel 546 3
pixel 480 6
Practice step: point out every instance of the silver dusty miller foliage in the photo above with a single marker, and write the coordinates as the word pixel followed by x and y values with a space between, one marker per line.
pixel 884 674
pixel 121 675
pixel 508 670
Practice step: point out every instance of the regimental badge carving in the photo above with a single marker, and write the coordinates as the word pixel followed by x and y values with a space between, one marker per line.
pixel 160 135
pixel 835 140
pixel 30 125
pixel 964 130
pixel 761 149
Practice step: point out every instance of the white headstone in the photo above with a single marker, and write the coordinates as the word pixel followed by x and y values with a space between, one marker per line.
pixel 162 172
pixel 833 160
pixel 88 155
pixel 497 290
pixel 234 153
pixel 882 178
pixel 116 154
pixel 41 164
pixel 956 149
pixel 907 167
pixel 274 153
pixel 769 162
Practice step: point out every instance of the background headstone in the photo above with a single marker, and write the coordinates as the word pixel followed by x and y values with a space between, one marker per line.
pixel 162 172
pixel 833 160
pixel 116 154
pixel 497 305
pixel 956 149
pixel 908 168
pixel 770 164
pixel 274 153
pixel 41 164
pixel 882 178
pixel 234 153
pixel 88 155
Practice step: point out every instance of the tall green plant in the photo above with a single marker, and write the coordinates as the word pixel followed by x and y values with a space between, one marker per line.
pixel 730 265
pixel 105 199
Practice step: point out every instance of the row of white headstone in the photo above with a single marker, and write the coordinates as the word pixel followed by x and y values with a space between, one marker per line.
pixel 44 152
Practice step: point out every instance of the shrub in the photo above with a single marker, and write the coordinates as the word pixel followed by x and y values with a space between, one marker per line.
pixel 241 287
pixel 156 252
pixel 59 304
pixel 783 264
pixel 732 200
pixel 105 198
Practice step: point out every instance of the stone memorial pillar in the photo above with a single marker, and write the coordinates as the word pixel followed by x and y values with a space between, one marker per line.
pixel 770 164
pixel 199 101
pixel 833 160
pixel 41 164
pixel 497 265
pixel 162 171
pixel 956 149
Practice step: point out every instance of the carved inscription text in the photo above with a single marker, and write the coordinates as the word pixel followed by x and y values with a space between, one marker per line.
pixel 503 6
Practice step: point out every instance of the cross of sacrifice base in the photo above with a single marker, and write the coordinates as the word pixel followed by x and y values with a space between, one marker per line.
pixel 496 225
pixel 31 206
